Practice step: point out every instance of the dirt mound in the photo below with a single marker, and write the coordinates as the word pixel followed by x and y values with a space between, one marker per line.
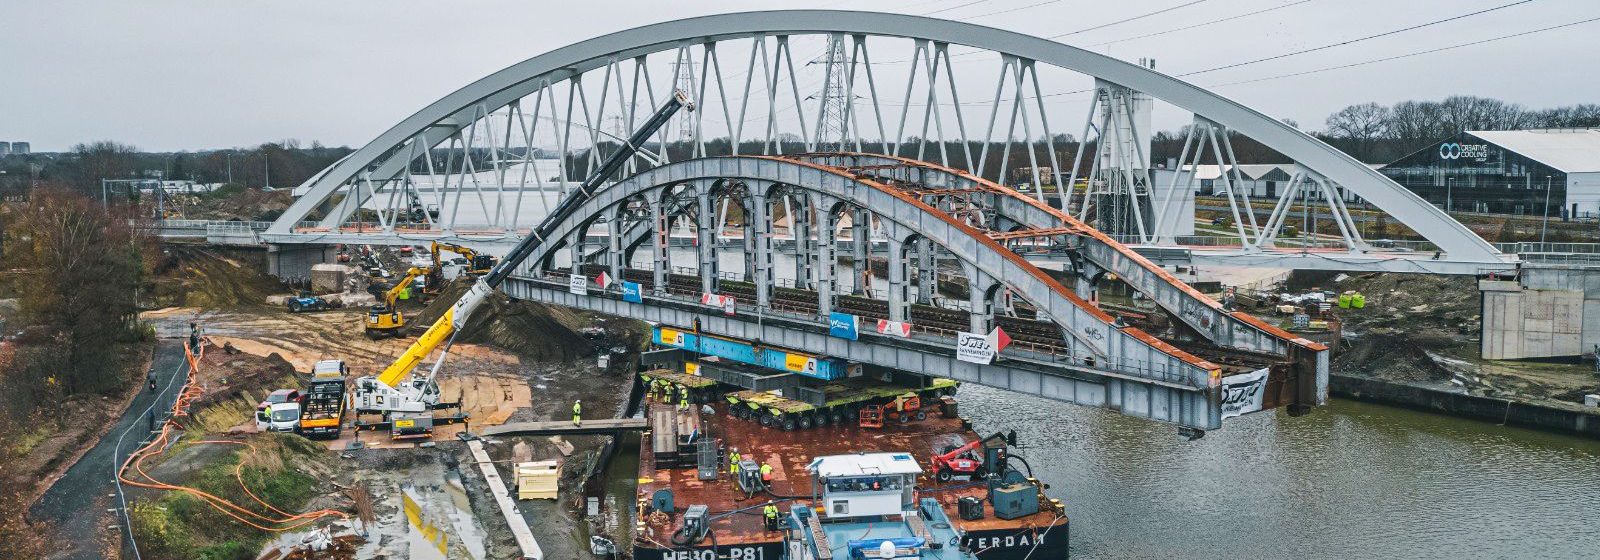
pixel 534 330
pixel 185 276
pixel 233 203
pixel 229 374
pixel 1389 357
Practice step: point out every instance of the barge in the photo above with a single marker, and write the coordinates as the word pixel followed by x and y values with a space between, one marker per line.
pixel 923 486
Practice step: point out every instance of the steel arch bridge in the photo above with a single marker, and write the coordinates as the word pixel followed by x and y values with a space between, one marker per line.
pixel 952 248
pixel 827 196
pixel 504 146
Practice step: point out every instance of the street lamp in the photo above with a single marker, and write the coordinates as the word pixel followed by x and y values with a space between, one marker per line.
pixel 1449 187
pixel 1545 226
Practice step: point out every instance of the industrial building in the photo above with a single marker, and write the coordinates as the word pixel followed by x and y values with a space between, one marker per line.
pixel 19 148
pixel 5 148
pixel 1554 172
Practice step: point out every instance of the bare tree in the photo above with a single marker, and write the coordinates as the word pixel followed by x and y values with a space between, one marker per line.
pixel 103 160
pixel 1361 126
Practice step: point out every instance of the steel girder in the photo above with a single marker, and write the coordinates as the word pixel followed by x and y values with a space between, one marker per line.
pixel 383 158
pixel 1181 404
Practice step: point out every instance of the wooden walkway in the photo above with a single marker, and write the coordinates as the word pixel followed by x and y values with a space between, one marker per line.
pixel 565 427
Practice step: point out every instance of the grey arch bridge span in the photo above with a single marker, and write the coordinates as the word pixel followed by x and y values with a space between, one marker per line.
pixel 932 219
pixel 385 165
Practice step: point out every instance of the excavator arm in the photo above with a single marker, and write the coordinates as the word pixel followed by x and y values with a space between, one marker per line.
pixel 442 331
pixel 393 294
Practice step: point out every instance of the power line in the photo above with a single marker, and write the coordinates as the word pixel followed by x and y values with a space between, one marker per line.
pixel 956 7
pixel 1016 9
pixel 1134 18
pixel 1357 40
pixel 1212 22
pixel 1411 54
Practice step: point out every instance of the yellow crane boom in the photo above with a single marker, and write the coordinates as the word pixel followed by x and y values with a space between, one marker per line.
pixel 442 331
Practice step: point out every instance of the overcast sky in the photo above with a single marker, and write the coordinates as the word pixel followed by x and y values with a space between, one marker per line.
pixel 191 75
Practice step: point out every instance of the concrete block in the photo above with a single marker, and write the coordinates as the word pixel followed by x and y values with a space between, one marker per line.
pixel 329 278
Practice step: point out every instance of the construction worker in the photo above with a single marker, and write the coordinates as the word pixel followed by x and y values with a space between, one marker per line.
pixel 577 412
pixel 683 397
pixel 769 512
pixel 733 463
pixel 766 473
pixel 194 337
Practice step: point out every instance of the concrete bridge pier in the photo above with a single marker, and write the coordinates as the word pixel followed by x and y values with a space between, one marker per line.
pixel 291 261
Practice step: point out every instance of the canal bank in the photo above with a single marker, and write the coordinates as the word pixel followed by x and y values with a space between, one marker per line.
pixel 1574 421
pixel 1351 480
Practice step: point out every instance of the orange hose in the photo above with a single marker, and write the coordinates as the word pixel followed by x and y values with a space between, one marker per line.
pixel 180 407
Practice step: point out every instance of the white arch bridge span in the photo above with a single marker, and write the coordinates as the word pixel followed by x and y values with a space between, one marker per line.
pixel 952 256
pixel 484 163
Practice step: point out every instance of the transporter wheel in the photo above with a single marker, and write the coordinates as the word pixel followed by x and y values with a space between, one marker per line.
pixel 766 420
pixel 822 418
pixel 837 416
pixel 805 422
pixel 789 424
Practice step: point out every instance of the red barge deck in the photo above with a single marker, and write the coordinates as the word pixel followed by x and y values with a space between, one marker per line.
pixel 1041 535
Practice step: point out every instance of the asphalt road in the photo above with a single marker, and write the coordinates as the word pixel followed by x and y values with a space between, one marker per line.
pixel 75 506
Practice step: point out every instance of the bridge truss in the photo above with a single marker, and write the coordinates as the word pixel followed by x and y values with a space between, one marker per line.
pixel 487 161
pixel 790 241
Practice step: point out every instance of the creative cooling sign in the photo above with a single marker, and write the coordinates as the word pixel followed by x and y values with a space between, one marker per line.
pixel 1456 151
pixel 1241 394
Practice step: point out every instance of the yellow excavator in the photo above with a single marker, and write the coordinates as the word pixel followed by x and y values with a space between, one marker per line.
pixel 478 264
pixel 408 400
pixel 384 318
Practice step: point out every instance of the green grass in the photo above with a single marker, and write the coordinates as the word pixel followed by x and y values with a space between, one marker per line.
pixel 178 525
pixel 29 440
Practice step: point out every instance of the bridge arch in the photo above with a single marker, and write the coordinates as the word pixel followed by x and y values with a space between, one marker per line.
pixel 1089 334
pixel 362 177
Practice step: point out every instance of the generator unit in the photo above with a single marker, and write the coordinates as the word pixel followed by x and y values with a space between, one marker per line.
pixel 1013 501
pixel 970 508
pixel 696 523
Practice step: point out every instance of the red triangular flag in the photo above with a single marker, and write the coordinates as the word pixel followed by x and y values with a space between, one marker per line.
pixel 604 280
pixel 999 339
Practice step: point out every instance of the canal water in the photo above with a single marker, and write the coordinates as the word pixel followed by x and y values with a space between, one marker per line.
pixel 1351 480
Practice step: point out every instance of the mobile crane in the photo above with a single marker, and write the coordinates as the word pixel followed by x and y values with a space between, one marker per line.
pixel 384 318
pixel 406 399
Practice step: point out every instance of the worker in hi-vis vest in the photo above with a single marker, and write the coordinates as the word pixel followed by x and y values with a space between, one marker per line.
pixel 770 513
pixel 577 412
pixel 733 462
pixel 683 397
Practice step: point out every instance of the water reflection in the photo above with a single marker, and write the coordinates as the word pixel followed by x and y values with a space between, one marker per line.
pixel 1352 480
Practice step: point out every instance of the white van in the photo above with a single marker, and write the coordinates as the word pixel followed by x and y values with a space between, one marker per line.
pixel 278 417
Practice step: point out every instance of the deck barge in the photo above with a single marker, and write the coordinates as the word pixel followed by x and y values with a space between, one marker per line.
pixel 669 487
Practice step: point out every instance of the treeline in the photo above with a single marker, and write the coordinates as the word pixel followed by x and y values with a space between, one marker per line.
pixel 1376 133
pixel 277 164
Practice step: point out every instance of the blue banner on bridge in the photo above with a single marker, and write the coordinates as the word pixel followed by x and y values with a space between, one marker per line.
pixel 631 292
pixel 844 325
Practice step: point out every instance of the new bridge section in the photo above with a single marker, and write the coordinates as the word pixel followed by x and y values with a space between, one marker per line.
pixel 1075 352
